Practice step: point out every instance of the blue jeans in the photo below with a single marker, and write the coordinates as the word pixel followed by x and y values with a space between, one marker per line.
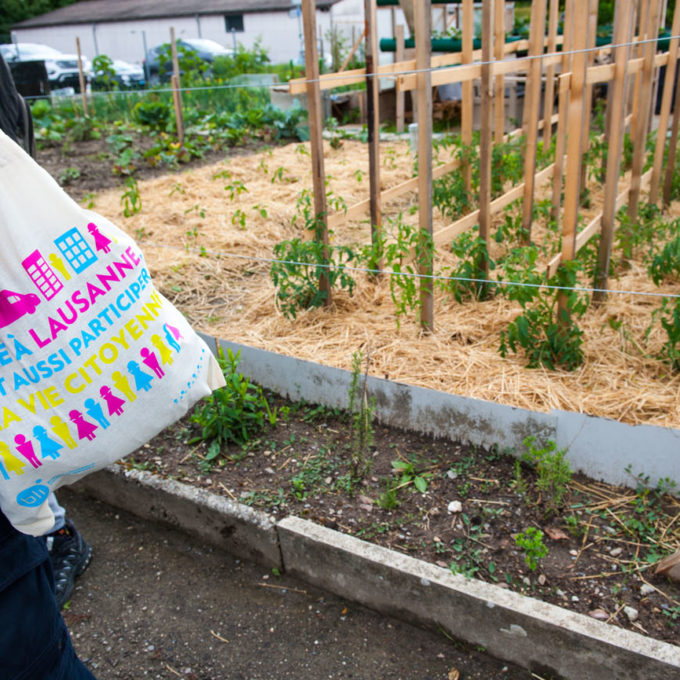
pixel 34 642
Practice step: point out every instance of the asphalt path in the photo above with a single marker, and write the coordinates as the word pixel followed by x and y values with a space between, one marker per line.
pixel 157 603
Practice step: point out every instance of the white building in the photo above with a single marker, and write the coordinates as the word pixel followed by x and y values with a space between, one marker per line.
pixel 122 28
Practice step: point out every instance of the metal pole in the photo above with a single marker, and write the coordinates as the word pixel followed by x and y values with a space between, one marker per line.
pixel 146 65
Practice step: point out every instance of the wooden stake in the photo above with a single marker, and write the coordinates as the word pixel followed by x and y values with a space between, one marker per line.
pixel 499 83
pixel 623 33
pixel 175 82
pixel 642 10
pixel 81 78
pixel 672 150
pixel 532 102
pixel 373 116
pixel 173 52
pixel 355 47
pixel 423 19
pixel 177 102
pixel 666 101
pixel 467 105
pixel 642 121
pixel 575 130
pixel 400 95
pixel 563 104
pixel 316 138
pixel 560 144
pixel 549 101
pixel 588 97
pixel 485 147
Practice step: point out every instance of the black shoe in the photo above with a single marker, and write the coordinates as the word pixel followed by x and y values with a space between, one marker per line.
pixel 70 555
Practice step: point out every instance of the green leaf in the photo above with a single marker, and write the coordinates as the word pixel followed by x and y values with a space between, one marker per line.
pixel 213 450
pixel 420 484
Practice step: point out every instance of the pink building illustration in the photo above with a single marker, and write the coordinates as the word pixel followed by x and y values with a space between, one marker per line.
pixel 42 275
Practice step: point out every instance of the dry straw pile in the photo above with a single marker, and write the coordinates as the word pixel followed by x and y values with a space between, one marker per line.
pixel 223 291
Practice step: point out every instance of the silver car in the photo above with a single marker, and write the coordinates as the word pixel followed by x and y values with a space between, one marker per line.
pixel 62 69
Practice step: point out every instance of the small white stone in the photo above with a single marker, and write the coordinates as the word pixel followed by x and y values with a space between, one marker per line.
pixel 574 598
pixel 526 581
pixel 541 580
pixel 615 552
pixel 454 506
pixel 646 589
pixel 451 474
pixel 631 613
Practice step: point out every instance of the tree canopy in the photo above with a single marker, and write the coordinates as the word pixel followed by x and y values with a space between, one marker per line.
pixel 13 11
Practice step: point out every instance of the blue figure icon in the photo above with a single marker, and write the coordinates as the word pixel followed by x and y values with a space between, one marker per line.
pixel 49 447
pixel 172 336
pixel 3 472
pixel 142 379
pixel 95 410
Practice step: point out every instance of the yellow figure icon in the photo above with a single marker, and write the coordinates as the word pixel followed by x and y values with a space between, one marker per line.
pixel 59 265
pixel 10 461
pixel 60 428
pixel 163 350
pixel 121 383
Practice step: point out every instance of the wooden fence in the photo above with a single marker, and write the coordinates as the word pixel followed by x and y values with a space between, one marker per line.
pixel 560 72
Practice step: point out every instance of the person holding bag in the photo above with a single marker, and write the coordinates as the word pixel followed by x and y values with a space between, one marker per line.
pixel 81 371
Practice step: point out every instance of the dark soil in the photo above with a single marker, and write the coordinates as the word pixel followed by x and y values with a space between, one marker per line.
pixel 601 541
pixel 87 167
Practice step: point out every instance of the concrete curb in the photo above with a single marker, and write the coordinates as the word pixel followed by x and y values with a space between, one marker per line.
pixel 232 526
pixel 534 634
pixel 598 447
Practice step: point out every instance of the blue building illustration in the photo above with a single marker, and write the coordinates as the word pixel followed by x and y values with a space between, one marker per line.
pixel 76 250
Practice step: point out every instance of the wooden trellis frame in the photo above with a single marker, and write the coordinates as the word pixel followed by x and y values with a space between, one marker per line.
pixel 572 75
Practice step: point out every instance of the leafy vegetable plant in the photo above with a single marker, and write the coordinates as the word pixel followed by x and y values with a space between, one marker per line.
pixel 531 541
pixel 234 413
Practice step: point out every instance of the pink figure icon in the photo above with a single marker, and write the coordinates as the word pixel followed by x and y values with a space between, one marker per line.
pixel 60 428
pixel 114 403
pixel 10 462
pixel 101 242
pixel 25 448
pixel 150 360
pixel 165 353
pixel 14 305
pixel 85 427
pixel 120 382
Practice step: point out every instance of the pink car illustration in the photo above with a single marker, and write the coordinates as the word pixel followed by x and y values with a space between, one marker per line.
pixel 14 305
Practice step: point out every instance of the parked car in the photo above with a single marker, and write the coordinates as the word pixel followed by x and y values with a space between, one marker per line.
pixel 160 69
pixel 111 72
pixel 62 69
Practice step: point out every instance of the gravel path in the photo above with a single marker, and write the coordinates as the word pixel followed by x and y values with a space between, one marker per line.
pixel 156 603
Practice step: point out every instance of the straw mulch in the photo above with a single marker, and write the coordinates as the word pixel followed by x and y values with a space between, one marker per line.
pixel 233 298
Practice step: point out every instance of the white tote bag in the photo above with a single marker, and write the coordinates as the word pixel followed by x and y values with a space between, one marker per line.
pixel 93 360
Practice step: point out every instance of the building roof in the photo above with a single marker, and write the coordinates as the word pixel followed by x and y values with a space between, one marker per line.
pixel 103 11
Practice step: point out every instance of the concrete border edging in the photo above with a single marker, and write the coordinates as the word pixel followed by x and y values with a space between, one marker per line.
pixel 232 526
pixel 534 634
pixel 599 447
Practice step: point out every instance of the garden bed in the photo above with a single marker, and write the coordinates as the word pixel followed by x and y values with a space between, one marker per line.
pixel 457 506
pixel 208 236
